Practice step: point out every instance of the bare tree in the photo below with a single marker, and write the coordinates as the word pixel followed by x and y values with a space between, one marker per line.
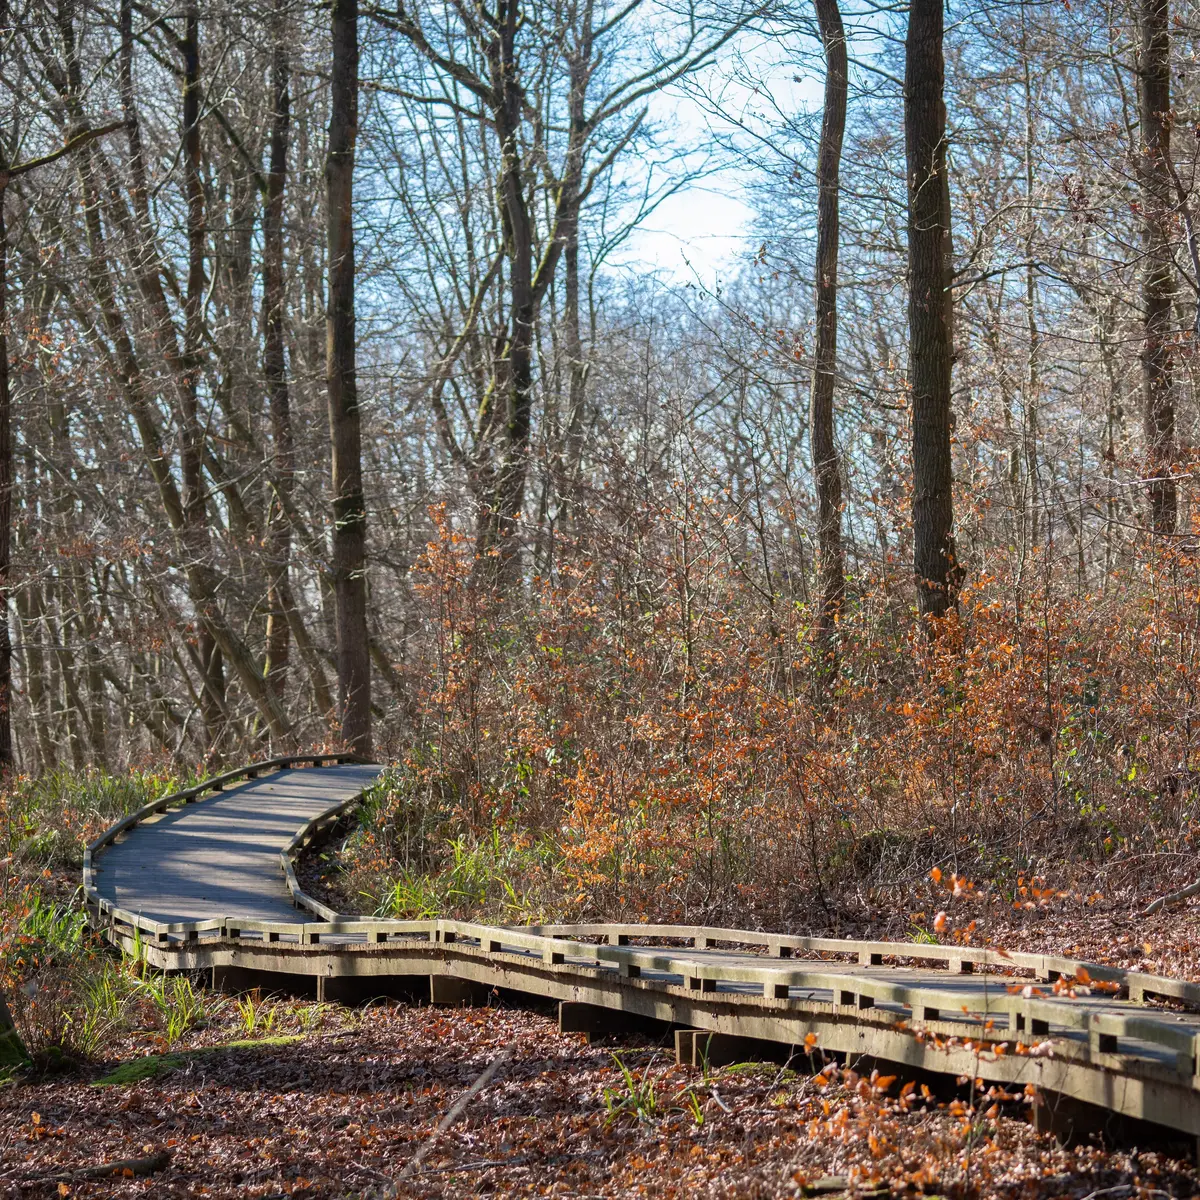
pixel 279 599
pixel 930 354
pixel 1158 276
pixel 349 567
pixel 826 468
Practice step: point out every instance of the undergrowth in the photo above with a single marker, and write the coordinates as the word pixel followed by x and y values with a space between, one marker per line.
pixel 46 821
pixel 71 997
pixel 649 738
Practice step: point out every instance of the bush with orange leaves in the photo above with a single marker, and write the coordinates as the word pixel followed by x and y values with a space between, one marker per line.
pixel 656 709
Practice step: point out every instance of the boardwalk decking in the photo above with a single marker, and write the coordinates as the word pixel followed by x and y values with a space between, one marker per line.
pixel 206 881
pixel 220 857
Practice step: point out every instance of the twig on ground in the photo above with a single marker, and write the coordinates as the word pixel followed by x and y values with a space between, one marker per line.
pixel 1192 889
pixel 456 1111
pixel 126 1167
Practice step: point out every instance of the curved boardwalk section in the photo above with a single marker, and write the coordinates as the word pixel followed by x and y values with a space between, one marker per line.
pixel 219 857
pixel 207 882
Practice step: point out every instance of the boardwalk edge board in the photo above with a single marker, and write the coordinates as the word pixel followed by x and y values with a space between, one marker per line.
pixel 1116 1053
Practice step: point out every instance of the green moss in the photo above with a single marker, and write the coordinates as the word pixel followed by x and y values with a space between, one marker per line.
pixel 151 1066
pixel 137 1069
pixel 284 1039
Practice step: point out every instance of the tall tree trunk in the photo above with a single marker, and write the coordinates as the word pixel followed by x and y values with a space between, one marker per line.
pixel 580 68
pixel 508 415
pixel 191 453
pixel 6 482
pixel 6 478
pixel 826 469
pixel 1158 281
pixel 345 426
pixel 1033 381
pixel 930 353
pixel 279 528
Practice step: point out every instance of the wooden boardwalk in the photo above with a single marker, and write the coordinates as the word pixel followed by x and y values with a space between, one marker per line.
pixel 220 858
pixel 199 881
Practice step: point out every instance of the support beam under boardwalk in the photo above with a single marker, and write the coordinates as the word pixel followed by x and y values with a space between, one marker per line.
pixel 697 1047
pixel 232 979
pixel 447 989
pixel 596 1022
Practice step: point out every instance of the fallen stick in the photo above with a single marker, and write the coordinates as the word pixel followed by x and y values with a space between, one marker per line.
pixel 127 1167
pixel 1192 889
pixel 456 1111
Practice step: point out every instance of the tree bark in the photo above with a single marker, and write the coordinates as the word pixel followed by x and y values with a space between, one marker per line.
pixel 580 68
pixel 826 468
pixel 6 482
pixel 279 528
pixel 6 474
pixel 1158 280
pixel 509 425
pixel 345 426
pixel 930 355
pixel 212 696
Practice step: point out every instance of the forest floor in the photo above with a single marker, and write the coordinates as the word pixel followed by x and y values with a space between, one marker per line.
pixel 343 1102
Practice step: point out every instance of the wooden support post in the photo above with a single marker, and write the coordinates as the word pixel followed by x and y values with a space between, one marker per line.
pixel 596 1022
pixel 685 1047
pixel 447 989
